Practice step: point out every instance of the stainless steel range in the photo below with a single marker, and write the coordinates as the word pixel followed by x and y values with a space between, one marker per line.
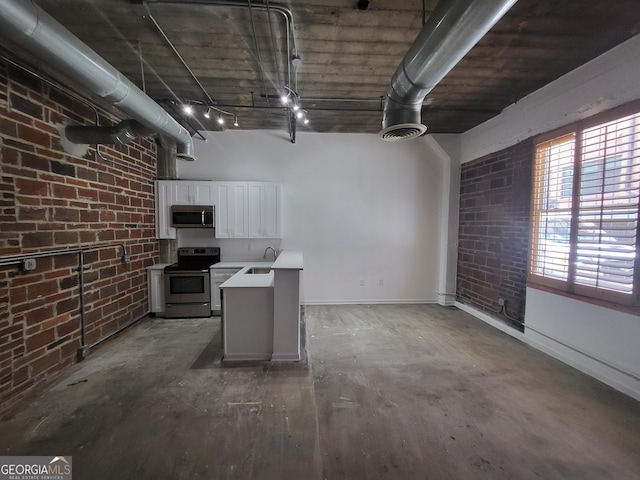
pixel 187 283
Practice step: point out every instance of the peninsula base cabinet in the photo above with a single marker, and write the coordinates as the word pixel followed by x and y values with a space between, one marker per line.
pixel 247 320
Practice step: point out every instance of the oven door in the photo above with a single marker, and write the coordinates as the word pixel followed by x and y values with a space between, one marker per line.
pixel 187 287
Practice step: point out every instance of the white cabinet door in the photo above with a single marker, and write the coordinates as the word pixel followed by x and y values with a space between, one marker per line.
pixel 256 210
pixel 218 277
pixel 187 192
pixel 231 210
pixel 203 193
pixel 181 193
pixel 271 211
pixel 264 210
pixel 164 195
pixel 155 281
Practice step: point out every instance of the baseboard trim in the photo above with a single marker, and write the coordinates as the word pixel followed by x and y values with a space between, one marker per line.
pixel 553 352
pixel 285 357
pixel 368 302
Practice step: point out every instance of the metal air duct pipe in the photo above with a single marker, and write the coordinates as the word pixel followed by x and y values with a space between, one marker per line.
pixel 453 28
pixel 120 134
pixel 23 22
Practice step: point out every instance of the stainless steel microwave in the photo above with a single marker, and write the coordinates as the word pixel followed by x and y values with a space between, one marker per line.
pixel 192 216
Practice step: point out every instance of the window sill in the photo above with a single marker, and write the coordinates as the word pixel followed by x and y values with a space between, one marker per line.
pixel 581 298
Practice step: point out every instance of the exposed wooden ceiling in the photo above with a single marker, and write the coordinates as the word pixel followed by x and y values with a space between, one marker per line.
pixel 348 55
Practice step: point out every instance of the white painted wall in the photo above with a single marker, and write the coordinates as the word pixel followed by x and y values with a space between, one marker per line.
pixel 360 209
pixel 608 339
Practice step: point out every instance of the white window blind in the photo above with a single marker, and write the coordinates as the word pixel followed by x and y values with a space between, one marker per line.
pixel 553 175
pixel 585 211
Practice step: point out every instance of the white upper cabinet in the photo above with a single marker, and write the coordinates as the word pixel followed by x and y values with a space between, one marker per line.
pixel 264 210
pixel 247 210
pixel 179 192
pixel 242 209
pixel 231 210
pixel 164 195
pixel 187 192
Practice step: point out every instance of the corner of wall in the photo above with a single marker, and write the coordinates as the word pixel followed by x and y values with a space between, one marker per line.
pixel 449 155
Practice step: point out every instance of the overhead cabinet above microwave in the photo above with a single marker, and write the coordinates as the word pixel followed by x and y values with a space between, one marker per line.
pixel 240 209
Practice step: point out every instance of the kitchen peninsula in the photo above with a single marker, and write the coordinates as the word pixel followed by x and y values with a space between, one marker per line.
pixel 261 312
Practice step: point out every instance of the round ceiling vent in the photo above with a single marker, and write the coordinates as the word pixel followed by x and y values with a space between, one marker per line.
pixel 402 131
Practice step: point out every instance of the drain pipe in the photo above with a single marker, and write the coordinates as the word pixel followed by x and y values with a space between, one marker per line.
pixel 453 29
pixel 30 27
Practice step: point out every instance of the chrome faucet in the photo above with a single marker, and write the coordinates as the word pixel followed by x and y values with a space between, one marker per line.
pixel 275 255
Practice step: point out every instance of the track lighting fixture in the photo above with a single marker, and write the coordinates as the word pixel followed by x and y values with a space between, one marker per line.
pixel 194 107
pixel 292 101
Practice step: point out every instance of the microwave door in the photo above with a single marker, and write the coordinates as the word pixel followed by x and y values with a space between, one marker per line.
pixel 188 219
pixel 192 217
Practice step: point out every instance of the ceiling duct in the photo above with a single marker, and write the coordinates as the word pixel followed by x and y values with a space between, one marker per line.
pixel 119 134
pixel 453 28
pixel 38 33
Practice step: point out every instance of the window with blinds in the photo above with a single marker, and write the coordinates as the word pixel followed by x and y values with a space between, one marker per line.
pixel 585 209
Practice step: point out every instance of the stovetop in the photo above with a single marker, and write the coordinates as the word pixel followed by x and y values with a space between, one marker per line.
pixel 195 259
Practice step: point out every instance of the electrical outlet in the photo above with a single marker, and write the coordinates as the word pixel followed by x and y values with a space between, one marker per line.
pixel 362 283
pixel 126 258
pixel 501 301
pixel 381 282
pixel 29 264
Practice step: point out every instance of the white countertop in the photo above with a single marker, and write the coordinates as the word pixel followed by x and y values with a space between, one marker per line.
pixel 158 266
pixel 250 280
pixel 240 264
pixel 288 260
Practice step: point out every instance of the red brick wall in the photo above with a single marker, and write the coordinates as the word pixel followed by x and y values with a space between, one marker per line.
pixel 495 198
pixel 50 200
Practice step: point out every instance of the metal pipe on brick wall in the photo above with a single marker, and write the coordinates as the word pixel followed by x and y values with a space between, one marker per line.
pixel 20 258
pixel 38 33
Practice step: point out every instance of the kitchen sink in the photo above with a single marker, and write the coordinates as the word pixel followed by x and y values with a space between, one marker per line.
pixel 259 270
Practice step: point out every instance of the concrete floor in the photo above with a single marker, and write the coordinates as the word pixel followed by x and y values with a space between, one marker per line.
pixel 394 392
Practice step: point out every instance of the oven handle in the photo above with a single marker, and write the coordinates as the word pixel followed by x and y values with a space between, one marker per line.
pixel 202 216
